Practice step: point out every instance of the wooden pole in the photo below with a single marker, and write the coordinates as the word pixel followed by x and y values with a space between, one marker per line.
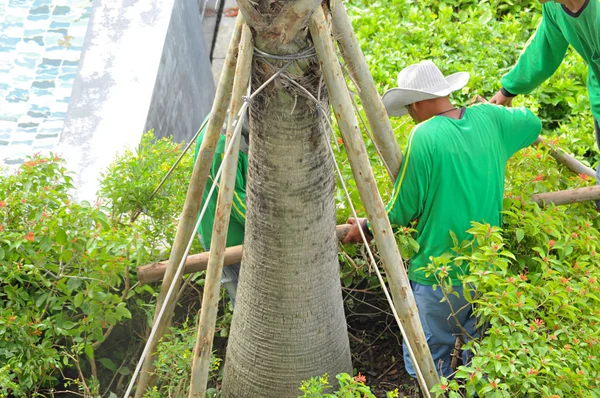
pixel 198 262
pixel 210 296
pixel 191 207
pixel 568 161
pixel 403 298
pixel 383 134
pixel 567 197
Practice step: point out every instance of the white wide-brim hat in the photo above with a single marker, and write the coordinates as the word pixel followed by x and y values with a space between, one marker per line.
pixel 420 82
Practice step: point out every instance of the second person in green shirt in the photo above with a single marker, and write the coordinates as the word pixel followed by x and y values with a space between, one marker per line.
pixel 564 23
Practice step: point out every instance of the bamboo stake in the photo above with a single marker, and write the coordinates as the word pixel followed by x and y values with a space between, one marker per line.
pixel 568 196
pixel 191 207
pixel 210 296
pixel 569 161
pixel 359 162
pixel 198 262
pixel 383 135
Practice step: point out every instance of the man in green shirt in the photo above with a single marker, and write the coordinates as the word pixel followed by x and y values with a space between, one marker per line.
pixel 564 23
pixel 237 221
pixel 452 173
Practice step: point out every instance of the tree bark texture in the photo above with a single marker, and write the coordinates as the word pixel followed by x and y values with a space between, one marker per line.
pixel 289 323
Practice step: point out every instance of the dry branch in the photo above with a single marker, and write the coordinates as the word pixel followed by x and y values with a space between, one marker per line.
pixel 251 15
pixel 567 197
pixel 198 262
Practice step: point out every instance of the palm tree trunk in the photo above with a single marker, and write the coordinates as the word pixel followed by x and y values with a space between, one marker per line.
pixel 289 323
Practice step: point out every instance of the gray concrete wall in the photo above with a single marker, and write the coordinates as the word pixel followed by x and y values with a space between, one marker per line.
pixel 184 88
pixel 131 50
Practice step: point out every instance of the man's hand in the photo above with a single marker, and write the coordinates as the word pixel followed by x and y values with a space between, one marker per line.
pixel 501 99
pixel 353 235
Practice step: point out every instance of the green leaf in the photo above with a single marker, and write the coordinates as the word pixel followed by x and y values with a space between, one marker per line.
pixel 486 17
pixel 78 299
pixel 89 351
pixel 73 284
pixel 125 371
pixel 68 325
pixel 1 254
pixel 61 236
pixel 122 311
pixel 108 364
pixel 97 294
pixel 520 234
pixel 66 256
pixel 41 300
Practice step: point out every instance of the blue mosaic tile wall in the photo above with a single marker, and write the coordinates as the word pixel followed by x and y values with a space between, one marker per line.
pixel 40 46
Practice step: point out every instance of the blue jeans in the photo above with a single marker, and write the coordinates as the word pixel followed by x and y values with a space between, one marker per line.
pixel 229 278
pixel 440 327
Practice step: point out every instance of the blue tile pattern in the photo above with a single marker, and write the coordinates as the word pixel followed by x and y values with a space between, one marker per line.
pixel 40 46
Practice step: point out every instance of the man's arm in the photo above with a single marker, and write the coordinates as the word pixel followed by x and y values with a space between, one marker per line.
pixel 520 128
pixel 540 59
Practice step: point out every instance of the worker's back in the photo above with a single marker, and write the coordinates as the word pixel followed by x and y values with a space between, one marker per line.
pixel 456 169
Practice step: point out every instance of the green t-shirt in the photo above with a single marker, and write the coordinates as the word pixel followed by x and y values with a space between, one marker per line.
pixel 237 221
pixel 547 48
pixel 453 173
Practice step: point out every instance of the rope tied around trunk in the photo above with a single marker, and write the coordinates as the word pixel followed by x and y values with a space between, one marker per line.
pixel 308 52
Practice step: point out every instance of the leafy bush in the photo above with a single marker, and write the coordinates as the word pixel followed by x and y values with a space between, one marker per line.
pixel 62 271
pixel 174 363
pixel 129 182
pixel 533 282
pixel 484 38
pixel 65 267
pixel 534 285
pixel 349 387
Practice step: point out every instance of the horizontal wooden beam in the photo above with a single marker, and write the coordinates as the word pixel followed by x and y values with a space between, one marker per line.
pixel 567 197
pixel 198 262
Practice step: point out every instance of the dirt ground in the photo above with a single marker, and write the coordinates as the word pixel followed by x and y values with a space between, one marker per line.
pixel 376 348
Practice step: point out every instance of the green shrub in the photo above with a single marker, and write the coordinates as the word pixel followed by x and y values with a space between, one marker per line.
pixel 66 268
pixel 534 286
pixel 62 272
pixel 554 249
pixel 174 363
pixel 348 387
